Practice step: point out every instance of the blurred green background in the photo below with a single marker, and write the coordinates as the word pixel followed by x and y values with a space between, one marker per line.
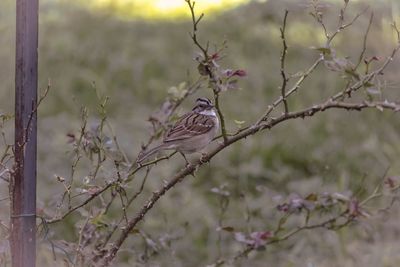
pixel 136 59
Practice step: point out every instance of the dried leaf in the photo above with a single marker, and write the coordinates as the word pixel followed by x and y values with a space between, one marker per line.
pixel 202 69
pixel 390 182
pixel 59 178
pixel 228 228
pixel 312 197
pixel 354 207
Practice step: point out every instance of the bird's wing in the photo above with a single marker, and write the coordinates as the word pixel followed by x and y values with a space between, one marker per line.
pixel 189 125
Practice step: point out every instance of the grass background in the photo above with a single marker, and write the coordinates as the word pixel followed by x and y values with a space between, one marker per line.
pixel 136 61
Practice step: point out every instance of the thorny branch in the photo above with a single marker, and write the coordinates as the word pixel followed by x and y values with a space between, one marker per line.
pixel 35 107
pixel 283 57
pixel 191 168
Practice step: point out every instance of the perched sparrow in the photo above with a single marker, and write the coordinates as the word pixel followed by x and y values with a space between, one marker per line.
pixel 191 133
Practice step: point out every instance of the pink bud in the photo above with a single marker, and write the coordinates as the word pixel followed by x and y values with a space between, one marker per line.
pixel 214 56
pixel 240 73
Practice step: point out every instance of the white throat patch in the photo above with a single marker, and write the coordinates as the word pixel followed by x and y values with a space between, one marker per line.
pixel 210 112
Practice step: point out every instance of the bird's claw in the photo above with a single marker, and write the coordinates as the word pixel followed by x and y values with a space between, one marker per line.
pixel 203 158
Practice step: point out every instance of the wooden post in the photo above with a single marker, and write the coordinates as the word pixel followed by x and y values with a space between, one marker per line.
pixel 23 184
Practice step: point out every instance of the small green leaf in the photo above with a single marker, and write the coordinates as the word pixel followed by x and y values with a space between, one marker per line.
pixel 352 73
pixel 5 117
pixel 239 123
pixel 134 231
pixel 182 85
pixel 324 50
pixel 98 221
pixel 173 91
pixel 368 84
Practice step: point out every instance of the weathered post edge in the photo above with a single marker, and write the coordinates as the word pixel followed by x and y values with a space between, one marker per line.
pixel 23 182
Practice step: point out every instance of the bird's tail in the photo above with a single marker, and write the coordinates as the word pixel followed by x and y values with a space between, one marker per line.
pixel 145 154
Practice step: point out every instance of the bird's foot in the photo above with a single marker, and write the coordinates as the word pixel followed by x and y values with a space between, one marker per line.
pixel 203 158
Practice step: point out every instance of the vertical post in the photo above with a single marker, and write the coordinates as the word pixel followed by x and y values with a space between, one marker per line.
pixel 23 184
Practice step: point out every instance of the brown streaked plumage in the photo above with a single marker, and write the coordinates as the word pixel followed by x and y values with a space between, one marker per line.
pixel 191 133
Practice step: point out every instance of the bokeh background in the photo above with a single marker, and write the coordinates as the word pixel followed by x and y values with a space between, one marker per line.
pixel 136 51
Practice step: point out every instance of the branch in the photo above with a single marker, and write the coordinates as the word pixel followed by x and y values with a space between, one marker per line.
pixel 291 91
pixel 244 253
pixel 191 168
pixel 35 107
pixel 195 22
pixel 344 26
pixel 192 89
pixel 364 48
pixel 115 227
pixel 283 56
pixel 349 90
pixel 207 63
pixel 349 215
pixel 221 116
pixel 86 201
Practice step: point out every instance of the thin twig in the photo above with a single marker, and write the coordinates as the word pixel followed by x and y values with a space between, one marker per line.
pixel 195 22
pixel 295 87
pixel 221 116
pixel 283 57
pixel 149 163
pixel 364 47
pixel 349 90
pixel 33 113
pixel 214 80
pixel 86 201
pixel 344 26
pixel 78 255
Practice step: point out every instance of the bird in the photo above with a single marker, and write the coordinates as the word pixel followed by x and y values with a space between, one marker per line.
pixel 191 133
